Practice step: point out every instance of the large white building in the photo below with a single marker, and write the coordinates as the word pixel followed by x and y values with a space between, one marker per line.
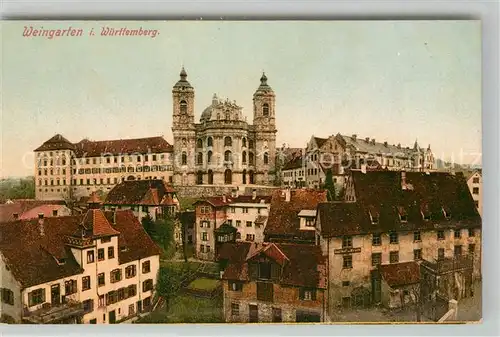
pixel 64 170
pixel 100 267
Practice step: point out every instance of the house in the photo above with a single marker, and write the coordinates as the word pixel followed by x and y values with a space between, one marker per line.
pixel 292 215
pixel 248 214
pixel 153 198
pixel 392 217
pixel 268 282
pixel 30 208
pixel 293 172
pixel 475 183
pixel 99 267
pixel 400 284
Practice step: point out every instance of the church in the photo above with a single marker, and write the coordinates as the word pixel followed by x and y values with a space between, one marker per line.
pixel 223 148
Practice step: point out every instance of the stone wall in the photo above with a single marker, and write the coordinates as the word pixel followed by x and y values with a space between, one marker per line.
pixel 201 191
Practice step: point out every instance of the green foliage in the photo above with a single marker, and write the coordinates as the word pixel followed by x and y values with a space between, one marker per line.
pixel 162 232
pixel 169 283
pixel 330 186
pixel 187 203
pixel 23 188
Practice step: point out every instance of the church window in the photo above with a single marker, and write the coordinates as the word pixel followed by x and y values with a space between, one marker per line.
pixel 266 158
pixel 184 142
pixel 210 141
pixel 183 107
pixel 250 144
pixel 184 158
pixel 209 157
pixel 244 142
pixel 199 159
pixel 244 157
pixel 265 109
pixel 228 141
pixel 250 158
pixel 227 156
pixel 199 144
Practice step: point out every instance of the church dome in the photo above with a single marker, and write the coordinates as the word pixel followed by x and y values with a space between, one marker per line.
pixel 206 114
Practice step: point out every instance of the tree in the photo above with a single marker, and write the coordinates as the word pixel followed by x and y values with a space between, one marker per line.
pixel 168 285
pixel 330 185
pixel 149 226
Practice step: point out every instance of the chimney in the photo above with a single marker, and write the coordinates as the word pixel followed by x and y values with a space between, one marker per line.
pixel 287 195
pixel 399 145
pixel 367 139
pixel 385 144
pixel 224 198
pixel 254 194
pixel 373 141
pixel 16 216
pixel 354 137
pixel 40 215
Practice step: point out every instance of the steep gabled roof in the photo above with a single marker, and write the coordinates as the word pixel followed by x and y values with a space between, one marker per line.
pixel 283 215
pixel 303 265
pixel 432 194
pixel 140 192
pixel 35 250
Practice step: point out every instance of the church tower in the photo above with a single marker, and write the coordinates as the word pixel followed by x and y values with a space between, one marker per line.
pixel 183 129
pixel 264 121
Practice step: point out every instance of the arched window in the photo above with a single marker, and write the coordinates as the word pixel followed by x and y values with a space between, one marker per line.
pixel 218 116
pixel 250 144
pixel 250 158
pixel 183 107
pixel 266 158
pixel 199 178
pixel 244 177
pixel 228 156
pixel 228 141
pixel 228 116
pixel 244 157
pixel 46 182
pixel 210 141
pixel 210 177
pixel 228 177
pixel 39 182
pixel 199 143
pixel 265 109
pixel 244 142
pixel 184 158
pixel 209 157
pixel 250 177
pixel 199 158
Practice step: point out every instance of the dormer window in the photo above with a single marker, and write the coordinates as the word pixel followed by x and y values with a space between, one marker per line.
pixel 446 212
pixel 403 216
pixel 347 242
pixel 426 214
pixel 61 261
pixel 374 215
pixel 265 270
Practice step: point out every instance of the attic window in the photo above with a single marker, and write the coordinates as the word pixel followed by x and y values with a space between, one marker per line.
pixel 123 249
pixel 61 261
pixel 426 215
pixel 374 215
pixel 446 213
pixel 403 216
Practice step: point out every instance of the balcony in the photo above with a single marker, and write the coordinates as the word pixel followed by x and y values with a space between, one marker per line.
pixel 450 265
pixel 79 242
pixel 69 312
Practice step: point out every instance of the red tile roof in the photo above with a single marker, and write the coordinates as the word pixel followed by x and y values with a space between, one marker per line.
pixel 400 274
pixel 46 210
pixel 97 224
pixel 87 148
pixel 283 216
pixel 382 192
pixel 23 205
pixel 31 253
pixel 141 192
pixel 303 265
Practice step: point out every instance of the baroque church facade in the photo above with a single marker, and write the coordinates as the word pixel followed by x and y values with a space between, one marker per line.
pixel 223 148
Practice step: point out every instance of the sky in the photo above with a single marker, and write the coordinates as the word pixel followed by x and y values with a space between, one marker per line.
pixel 395 81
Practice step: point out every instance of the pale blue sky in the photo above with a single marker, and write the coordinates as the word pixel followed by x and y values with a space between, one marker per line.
pixel 392 81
